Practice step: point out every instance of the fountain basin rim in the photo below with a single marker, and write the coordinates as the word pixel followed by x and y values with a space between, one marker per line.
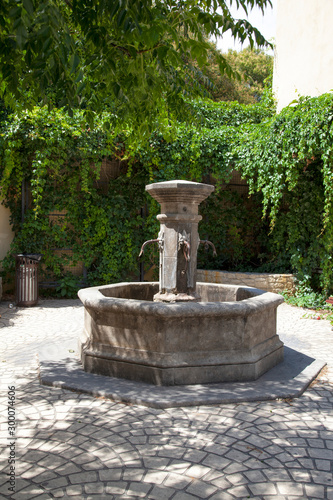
pixel 93 299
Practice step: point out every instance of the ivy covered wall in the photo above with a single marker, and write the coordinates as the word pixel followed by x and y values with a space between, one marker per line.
pixel 282 225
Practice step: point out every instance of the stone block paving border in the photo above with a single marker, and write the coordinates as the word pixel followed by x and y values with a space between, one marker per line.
pixel 72 445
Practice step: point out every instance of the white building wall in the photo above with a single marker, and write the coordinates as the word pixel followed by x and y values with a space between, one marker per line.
pixel 304 49
pixel 6 233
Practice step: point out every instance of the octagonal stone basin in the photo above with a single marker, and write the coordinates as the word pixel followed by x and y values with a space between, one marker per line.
pixel 229 336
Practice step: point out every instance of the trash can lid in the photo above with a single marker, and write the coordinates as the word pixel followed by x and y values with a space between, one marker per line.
pixel 32 256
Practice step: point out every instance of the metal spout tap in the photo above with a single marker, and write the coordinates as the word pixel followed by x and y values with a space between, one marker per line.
pixel 158 240
pixel 209 243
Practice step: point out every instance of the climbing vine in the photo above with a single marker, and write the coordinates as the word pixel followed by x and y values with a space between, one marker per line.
pixel 284 225
pixel 289 159
pixel 59 158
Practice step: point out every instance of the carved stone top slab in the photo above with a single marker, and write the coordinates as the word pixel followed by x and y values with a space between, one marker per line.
pixel 179 191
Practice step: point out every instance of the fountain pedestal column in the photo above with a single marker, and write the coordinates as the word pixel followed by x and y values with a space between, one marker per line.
pixel 178 237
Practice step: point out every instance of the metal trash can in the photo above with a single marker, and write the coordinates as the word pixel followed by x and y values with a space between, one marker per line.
pixel 26 290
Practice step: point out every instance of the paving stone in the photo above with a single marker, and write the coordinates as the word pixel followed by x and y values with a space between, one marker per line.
pixel 330 493
pixel 306 463
pixel 177 481
pixel 30 492
pixel 76 446
pixel 321 477
pixel 239 491
pixel 74 490
pixel 328 442
pixel 94 488
pixel 290 488
pixel 138 490
pixel 184 496
pixel 216 462
pixel 45 476
pixel 316 443
pixel 161 493
pixel 44 496
pixel 197 471
pixel 255 476
pixel 236 479
pixel 32 472
pixel 262 489
pixel 275 497
pixel 194 456
pixel 116 488
pixel 234 468
pixel 110 474
pixel 258 441
pixel 201 489
pixel 77 440
pixel 155 463
pixel 34 456
pixel 222 495
pixel 171 452
pixel 155 477
pixel 67 469
pixel 133 474
pixel 4 488
pixel 83 477
pixel 94 465
pixel 321 453
pixel 52 461
pixel 55 483
pixel 325 465
pixel 297 452
pixel 82 458
pixel 254 463
pixel 236 455
pixel 20 484
pixel 314 491
pixel 302 476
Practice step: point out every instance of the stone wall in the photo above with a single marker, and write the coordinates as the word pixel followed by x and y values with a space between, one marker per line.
pixel 269 282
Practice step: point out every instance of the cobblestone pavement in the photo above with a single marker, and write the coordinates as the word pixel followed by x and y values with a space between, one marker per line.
pixel 71 445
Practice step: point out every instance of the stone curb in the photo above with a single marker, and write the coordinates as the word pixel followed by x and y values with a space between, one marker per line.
pixel 289 379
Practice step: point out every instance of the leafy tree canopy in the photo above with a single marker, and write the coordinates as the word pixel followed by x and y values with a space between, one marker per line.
pixel 137 58
pixel 255 68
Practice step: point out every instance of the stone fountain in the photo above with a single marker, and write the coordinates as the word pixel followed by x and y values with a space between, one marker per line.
pixel 177 331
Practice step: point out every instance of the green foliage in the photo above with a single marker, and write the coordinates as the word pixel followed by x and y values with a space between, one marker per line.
pixel 68 287
pixel 285 225
pixel 213 115
pixel 304 296
pixel 288 158
pixel 59 158
pixel 139 59
pixel 192 155
pixel 254 67
pixel 232 221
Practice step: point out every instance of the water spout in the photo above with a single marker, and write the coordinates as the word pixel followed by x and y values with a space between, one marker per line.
pixel 147 243
pixel 158 240
pixel 209 243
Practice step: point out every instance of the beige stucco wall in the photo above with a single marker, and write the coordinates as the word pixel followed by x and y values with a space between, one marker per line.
pixel 6 233
pixel 304 49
